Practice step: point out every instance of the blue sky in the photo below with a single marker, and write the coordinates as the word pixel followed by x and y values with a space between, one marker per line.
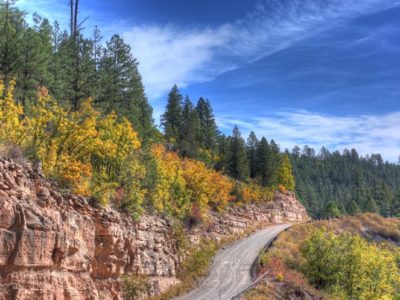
pixel 322 73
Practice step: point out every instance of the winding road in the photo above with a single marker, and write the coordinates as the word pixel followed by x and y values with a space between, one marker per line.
pixel 230 270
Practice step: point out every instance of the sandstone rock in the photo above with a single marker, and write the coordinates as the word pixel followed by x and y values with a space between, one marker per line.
pixel 60 247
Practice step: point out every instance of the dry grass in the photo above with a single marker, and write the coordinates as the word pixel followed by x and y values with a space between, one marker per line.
pixel 12 151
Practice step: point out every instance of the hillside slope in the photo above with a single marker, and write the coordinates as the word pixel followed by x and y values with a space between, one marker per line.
pixel 59 246
pixel 363 249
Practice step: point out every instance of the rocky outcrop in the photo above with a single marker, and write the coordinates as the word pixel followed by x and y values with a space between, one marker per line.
pixel 55 246
pixel 285 208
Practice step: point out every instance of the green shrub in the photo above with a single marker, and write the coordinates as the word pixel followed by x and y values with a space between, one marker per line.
pixel 134 286
pixel 349 267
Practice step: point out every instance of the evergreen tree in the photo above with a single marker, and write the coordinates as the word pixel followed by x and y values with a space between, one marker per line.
pixel 35 56
pixel 78 70
pixel 188 130
pixel 58 76
pixel 121 88
pixel 263 157
pixel 370 205
pixel 222 149
pixel 171 120
pixel 252 144
pixel 237 158
pixel 207 126
pixel 12 27
pixel 274 162
pixel 353 208
pixel 354 183
pixel 296 152
pixel 332 210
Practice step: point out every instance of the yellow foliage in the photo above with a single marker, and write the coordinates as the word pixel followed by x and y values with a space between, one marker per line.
pixel 285 175
pixel 255 193
pixel 188 187
pixel 90 155
pixel 350 267
pixel 10 115
pixel 101 156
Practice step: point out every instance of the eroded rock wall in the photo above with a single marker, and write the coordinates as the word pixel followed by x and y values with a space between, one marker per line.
pixel 54 246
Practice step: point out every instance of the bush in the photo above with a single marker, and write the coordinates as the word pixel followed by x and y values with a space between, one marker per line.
pixel 134 286
pixel 347 264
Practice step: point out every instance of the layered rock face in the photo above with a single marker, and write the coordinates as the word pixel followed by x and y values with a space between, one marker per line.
pixel 55 246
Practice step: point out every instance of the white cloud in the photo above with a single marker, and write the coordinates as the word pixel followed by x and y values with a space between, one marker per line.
pixel 366 133
pixel 169 54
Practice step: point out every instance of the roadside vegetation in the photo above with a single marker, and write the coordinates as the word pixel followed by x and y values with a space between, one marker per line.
pixel 101 156
pixel 346 258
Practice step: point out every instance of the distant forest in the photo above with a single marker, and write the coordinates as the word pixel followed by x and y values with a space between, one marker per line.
pixel 61 87
pixel 334 183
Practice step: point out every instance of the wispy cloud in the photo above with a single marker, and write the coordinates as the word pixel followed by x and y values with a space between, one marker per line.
pixel 170 54
pixel 367 133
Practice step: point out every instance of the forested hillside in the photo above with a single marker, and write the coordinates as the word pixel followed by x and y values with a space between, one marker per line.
pixel 78 105
pixel 330 184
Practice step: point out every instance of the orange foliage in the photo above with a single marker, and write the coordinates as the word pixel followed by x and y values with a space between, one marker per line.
pixel 187 187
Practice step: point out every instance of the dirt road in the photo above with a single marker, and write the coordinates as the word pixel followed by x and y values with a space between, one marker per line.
pixel 230 271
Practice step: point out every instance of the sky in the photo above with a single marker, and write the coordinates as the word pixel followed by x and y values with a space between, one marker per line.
pixel 303 72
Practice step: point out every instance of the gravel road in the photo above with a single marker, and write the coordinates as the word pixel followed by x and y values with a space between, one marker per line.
pixel 230 270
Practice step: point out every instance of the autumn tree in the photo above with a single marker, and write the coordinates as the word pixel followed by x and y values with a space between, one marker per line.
pixel 349 267
pixel 285 175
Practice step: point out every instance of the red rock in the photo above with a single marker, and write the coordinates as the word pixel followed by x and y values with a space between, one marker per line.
pixel 59 247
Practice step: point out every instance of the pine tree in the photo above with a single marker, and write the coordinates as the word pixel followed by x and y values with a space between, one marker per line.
pixel 353 208
pixel 97 53
pixel 274 162
pixel 222 151
pixel 237 158
pixel 56 70
pixel 370 205
pixel 121 88
pixel 36 54
pixel 188 130
pixel 252 144
pixel 332 210
pixel 207 126
pixel 263 159
pixel 12 25
pixel 77 70
pixel 296 152
pixel 171 120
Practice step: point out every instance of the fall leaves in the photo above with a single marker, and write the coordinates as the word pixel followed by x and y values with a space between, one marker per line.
pixel 99 155
pixel 187 187
pixel 350 267
pixel 81 149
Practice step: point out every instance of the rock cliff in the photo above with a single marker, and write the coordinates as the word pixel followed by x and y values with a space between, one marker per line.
pixel 55 246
